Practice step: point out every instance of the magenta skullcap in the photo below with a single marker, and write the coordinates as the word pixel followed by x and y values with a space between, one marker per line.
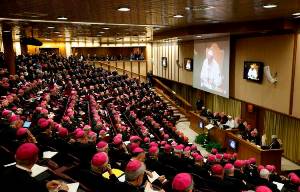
pixel 21 131
pixel 99 159
pixel 153 143
pixel 27 151
pixel 187 149
pixel 228 166
pixel 239 163
pixel 217 169
pixel 270 168
pixel 79 134
pixel 211 158
pixel 101 145
pixel 134 138
pixel 134 168
pixel 5 112
pixel 260 167
pixel 44 124
pixel 263 189
pixel 153 150
pixel 252 160
pixel 214 151
pixel 62 132
pixel 219 156
pixel 198 157
pixel 146 139
pixel 182 182
pixel 117 140
pixel 167 148
pixel 138 150
pixel 13 118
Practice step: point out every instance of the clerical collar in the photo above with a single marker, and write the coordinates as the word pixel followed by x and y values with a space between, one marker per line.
pixel 23 168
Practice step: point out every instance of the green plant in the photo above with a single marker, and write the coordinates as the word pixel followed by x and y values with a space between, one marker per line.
pixel 201 139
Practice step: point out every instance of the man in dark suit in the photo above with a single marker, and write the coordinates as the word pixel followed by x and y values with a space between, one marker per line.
pixel 275 143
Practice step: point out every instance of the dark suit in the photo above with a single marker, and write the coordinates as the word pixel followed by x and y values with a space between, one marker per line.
pixel 13 179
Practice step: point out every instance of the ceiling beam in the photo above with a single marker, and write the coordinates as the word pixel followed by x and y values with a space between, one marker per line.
pixel 232 28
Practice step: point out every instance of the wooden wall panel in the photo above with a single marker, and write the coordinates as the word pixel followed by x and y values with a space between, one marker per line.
pixel 186 50
pixel 143 68
pixel 296 100
pixel 275 51
pixel 135 67
pixel 127 66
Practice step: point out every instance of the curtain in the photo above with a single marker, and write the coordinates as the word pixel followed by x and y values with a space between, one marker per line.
pixel 221 104
pixel 288 131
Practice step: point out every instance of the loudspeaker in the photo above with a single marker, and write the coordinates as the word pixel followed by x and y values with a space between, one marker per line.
pixel 31 41
pixel 269 76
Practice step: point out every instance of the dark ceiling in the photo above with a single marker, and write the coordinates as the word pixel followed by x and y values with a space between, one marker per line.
pixel 88 17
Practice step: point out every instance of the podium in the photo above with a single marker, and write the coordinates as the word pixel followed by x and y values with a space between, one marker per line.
pixel 246 149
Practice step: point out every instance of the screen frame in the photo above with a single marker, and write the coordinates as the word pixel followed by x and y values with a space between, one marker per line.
pixel 192 63
pixel 260 71
pixel 162 59
pixel 236 144
pixel 26 122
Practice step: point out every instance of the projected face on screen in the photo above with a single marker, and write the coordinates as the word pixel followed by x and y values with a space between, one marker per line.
pixel 211 66
pixel 188 64
pixel 210 75
pixel 253 72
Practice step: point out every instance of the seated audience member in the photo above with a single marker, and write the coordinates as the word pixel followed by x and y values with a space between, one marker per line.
pixel 254 137
pixel 223 118
pixel 134 175
pixel 183 182
pixel 262 188
pixel 275 144
pixel 93 177
pixel 18 178
pixel 264 180
pixel 230 123
pixel 236 184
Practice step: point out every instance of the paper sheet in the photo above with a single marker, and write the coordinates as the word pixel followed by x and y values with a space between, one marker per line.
pixel 279 185
pixel 209 126
pixel 122 178
pixel 10 164
pixel 49 154
pixel 116 172
pixel 37 169
pixel 154 177
pixel 73 187
pixel 148 188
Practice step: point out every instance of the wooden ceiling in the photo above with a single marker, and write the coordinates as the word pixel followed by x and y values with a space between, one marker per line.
pixel 88 17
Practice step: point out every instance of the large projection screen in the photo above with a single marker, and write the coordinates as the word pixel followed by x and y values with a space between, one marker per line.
pixel 211 65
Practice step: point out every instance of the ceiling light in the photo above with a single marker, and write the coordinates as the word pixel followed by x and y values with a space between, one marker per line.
pixel 99 35
pixel 102 32
pixel 62 18
pixel 57 32
pixel 297 17
pixel 50 27
pixel 106 28
pixel 178 16
pixel 6 31
pixel 187 8
pixel 269 6
pixel 198 36
pixel 60 35
pixel 296 14
pixel 124 9
pixel 209 7
pixel 47 39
